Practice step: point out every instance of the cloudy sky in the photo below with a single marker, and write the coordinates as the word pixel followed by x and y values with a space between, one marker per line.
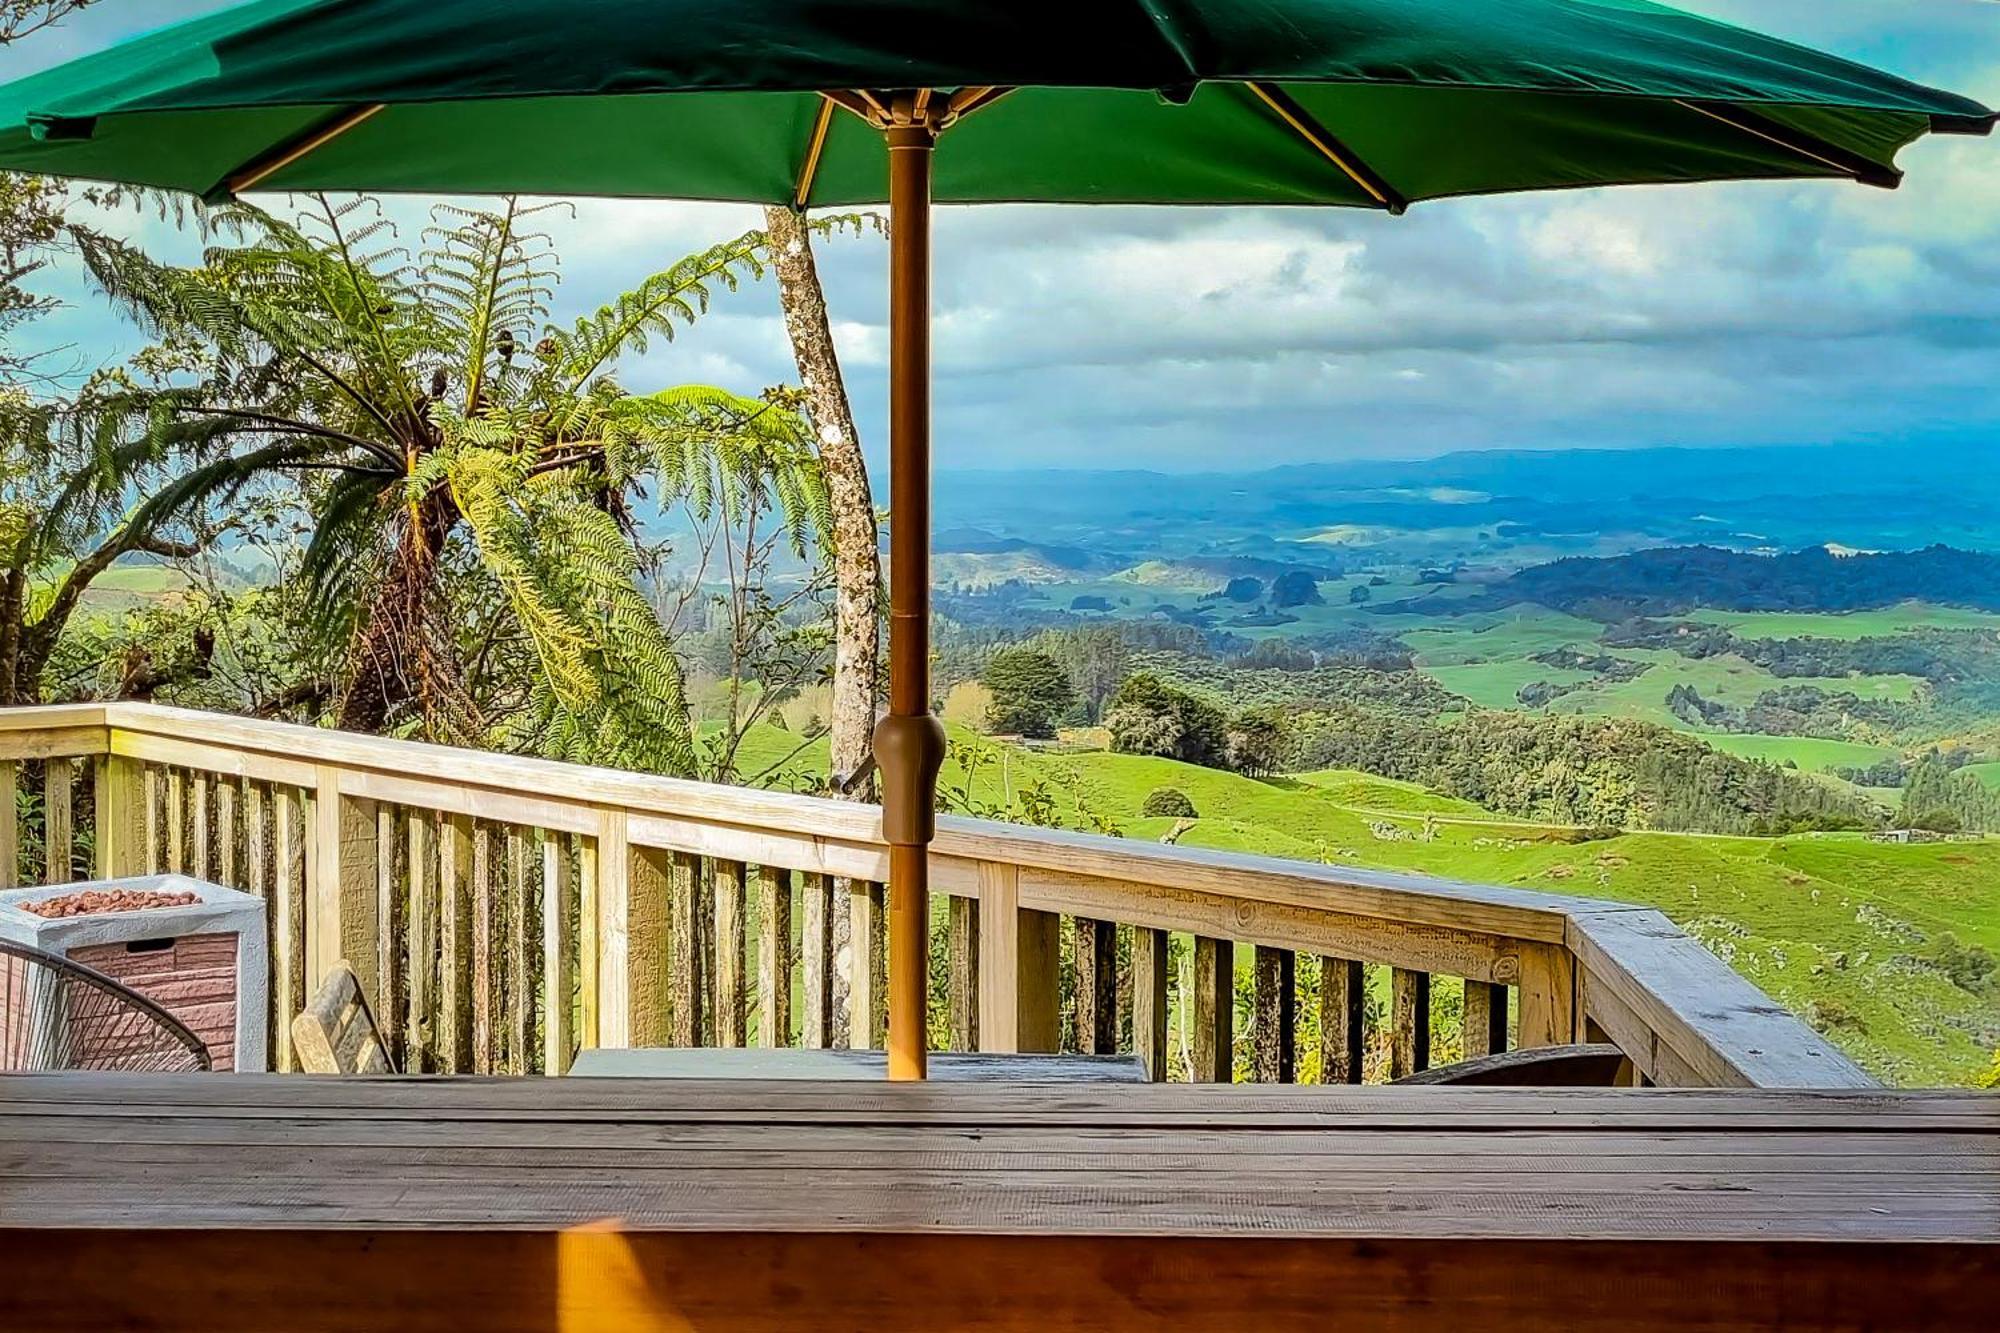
pixel 1197 339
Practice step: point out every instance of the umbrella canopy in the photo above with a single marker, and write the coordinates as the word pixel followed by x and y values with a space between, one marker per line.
pixel 1361 102
pixel 1365 103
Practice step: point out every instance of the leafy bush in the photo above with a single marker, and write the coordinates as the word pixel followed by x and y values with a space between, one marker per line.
pixel 1970 968
pixel 1168 803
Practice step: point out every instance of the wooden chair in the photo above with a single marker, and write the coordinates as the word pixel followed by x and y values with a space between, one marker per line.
pixel 1589 1066
pixel 336 1034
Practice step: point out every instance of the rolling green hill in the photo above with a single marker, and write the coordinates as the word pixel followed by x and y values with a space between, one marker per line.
pixel 1846 932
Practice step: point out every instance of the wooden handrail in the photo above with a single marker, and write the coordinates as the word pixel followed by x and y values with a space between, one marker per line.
pixel 1579 967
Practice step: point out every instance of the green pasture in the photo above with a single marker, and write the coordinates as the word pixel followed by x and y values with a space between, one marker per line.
pixel 1842 930
pixel 1883 623
pixel 1804 752
pixel 1498 684
pixel 1724 679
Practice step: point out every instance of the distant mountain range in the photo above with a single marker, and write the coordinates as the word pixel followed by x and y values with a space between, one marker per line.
pixel 1506 508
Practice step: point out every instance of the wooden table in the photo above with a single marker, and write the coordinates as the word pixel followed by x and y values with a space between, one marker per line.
pixel 753 1062
pixel 266 1202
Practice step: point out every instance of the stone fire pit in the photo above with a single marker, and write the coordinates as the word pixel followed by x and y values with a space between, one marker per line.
pixel 197 950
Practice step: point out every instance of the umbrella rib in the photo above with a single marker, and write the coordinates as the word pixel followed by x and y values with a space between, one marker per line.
pixel 810 167
pixel 968 100
pixel 1332 149
pixel 272 161
pixel 852 101
pixel 1806 145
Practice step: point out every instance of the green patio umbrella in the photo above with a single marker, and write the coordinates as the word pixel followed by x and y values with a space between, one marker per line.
pixel 1361 103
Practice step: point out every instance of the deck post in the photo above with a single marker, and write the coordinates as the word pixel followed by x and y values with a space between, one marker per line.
pixel 1548 996
pixel 342 894
pixel 121 816
pixel 1019 954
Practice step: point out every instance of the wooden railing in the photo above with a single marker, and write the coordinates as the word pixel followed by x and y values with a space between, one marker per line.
pixel 503 912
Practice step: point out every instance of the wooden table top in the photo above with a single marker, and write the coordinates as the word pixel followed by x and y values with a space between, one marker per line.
pixel 260 1151
pixel 752 1062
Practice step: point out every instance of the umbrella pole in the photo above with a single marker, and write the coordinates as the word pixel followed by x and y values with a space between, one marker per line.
pixel 909 742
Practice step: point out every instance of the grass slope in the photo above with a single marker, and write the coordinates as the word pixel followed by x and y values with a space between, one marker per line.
pixel 1835 927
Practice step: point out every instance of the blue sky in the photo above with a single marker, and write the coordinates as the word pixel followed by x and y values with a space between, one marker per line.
pixel 1792 314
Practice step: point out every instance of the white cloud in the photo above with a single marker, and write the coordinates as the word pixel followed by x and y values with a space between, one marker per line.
pixel 1182 337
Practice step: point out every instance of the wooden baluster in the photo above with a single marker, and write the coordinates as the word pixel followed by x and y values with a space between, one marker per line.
pixel 421 1029
pixel 392 944
pixel 257 883
pixel 592 887
pixel 1094 949
pixel 1150 951
pixel 868 965
pixel 58 821
pixel 453 1030
pixel 520 977
pixel 684 949
pixel 485 979
pixel 154 798
pixel 962 962
pixel 1213 1049
pixel 1275 1037
pixel 1410 1029
pixel 257 845
pixel 288 921
pixel 228 795
pixel 198 844
pixel 1485 1019
pixel 774 956
pixel 176 822
pixel 816 961
pixel 10 828
pixel 729 941
pixel 1343 1009
pixel 558 967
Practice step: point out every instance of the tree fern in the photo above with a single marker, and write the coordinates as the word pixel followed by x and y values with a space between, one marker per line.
pixel 418 401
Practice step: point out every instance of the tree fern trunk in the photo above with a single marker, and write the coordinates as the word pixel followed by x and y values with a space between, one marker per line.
pixel 398 668
pixel 856 559
pixel 13 611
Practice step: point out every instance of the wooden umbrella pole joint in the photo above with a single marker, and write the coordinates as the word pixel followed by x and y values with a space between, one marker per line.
pixel 909 742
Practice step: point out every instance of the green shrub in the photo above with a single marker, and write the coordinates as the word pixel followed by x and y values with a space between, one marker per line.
pixel 1168 803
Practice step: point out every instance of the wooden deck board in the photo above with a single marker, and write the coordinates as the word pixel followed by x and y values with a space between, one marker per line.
pixel 579 1203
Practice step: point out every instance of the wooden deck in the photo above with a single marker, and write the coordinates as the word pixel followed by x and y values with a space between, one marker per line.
pixel 474 1204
